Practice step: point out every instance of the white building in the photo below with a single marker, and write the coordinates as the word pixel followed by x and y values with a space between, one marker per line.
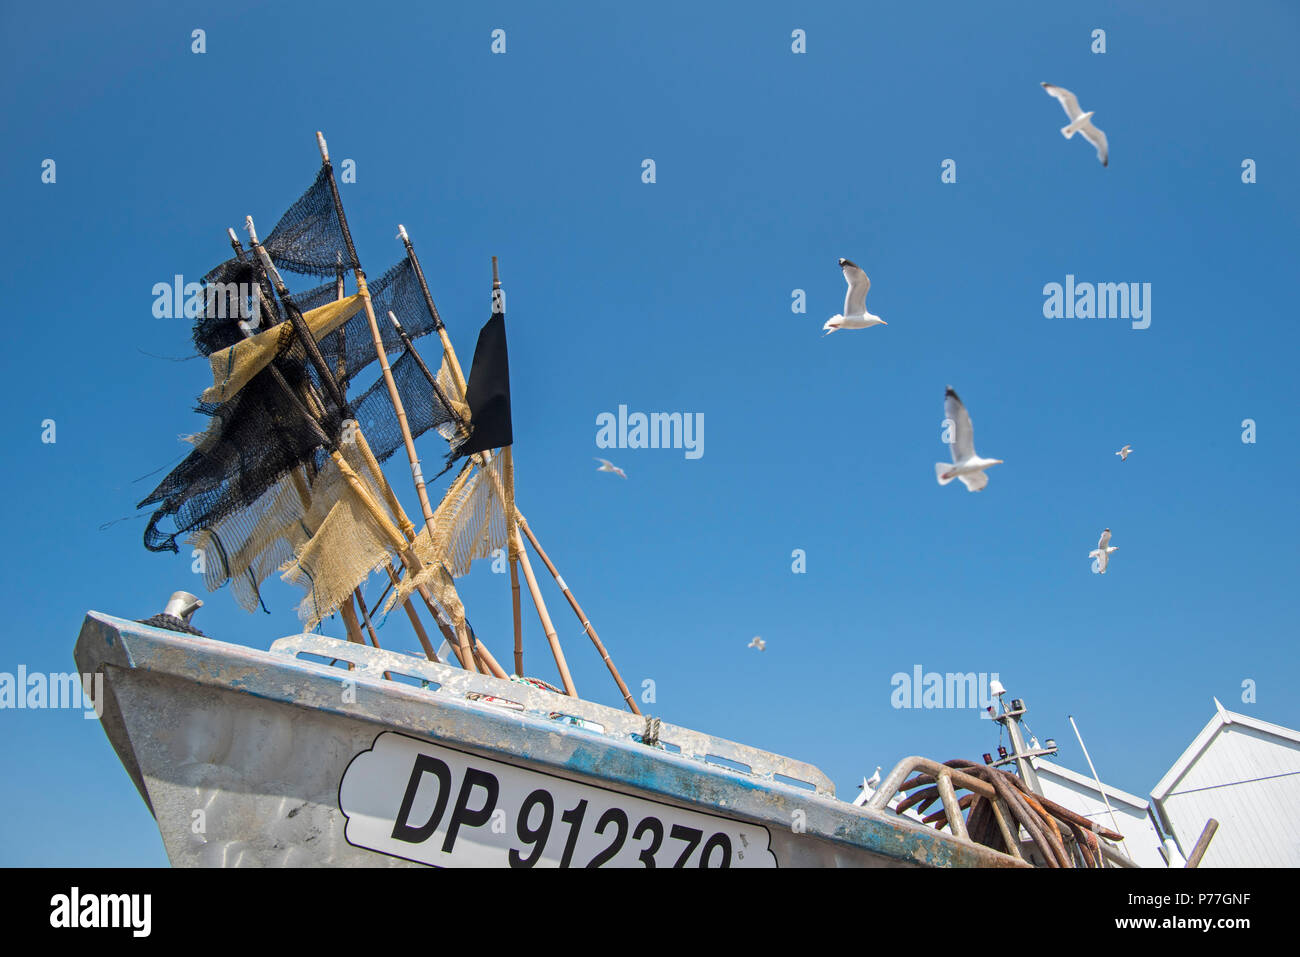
pixel 1080 794
pixel 1244 773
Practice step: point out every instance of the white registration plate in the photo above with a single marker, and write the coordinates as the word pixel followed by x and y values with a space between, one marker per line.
pixel 436 805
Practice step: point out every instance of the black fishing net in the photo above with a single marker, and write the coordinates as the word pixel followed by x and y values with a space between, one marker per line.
pixel 217 329
pixel 254 440
pixel 308 238
pixel 347 350
pixel 426 408
pixel 284 418
pixel 397 290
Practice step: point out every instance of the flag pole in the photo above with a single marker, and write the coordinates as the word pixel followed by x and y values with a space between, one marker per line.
pixel 462 640
pixel 1100 787
pixel 512 512
pixel 364 291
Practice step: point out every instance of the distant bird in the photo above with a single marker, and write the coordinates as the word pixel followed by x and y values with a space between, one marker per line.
pixel 607 466
pixel 1124 453
pixel 965 464
pixel 757 642
pixel 1080 122
pixel 1102 551
pixel 855 302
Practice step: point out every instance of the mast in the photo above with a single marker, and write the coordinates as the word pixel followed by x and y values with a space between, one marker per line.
pixel 1010 719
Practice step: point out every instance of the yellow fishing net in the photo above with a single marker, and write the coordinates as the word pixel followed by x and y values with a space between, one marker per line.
pixel 349 544
pixel 469 523
pixel 234 367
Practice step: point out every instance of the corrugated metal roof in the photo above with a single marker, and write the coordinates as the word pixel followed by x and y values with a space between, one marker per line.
pixel 1222 718
pixel 1244 773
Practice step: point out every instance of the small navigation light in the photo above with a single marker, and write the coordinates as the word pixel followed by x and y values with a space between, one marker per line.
pixel 1002 751
pixel 988 758
pixel 1051 744
pixel 1017 704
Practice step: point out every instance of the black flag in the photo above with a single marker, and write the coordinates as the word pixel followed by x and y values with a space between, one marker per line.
pixel 488 391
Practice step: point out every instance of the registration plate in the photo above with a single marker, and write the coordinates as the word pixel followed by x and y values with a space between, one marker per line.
pixel 436 805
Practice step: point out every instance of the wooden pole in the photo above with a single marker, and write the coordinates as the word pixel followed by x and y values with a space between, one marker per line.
pixel 582 616
pixel 545 618
pixel 390 383
pixel 514 565
pixel 507 495
pixel 365 616
pixel 452 363
pixel 462 643
pixel 1202 844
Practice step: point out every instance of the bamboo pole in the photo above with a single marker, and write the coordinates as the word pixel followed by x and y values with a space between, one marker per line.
pixel 507 496
pixel 365 615
pixel 390 383
pixel 481 460
pixel 462 644
pixel 452 362
pixel 508 466
pixel 545 618
pixel 582 616
pixel 514 568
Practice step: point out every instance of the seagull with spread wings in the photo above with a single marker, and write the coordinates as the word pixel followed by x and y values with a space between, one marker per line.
pixel 757 642
pixel 965 464
pixel 1080 122
pixel 855 315
pixel 1102 552
pixel 607 466
pixel 1124 453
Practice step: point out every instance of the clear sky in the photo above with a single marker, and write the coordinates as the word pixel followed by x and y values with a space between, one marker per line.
pixel 676 296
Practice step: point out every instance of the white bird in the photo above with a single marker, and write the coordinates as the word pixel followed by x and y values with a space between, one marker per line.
pixel 965 464
pixel 1080 122
pixel 757 642
pixel 855 314
pixel 868 788
pixel 607 466
pixel 1102 552
pixel 1124 453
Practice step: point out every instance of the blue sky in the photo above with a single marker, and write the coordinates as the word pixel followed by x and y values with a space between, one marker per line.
pixel 675 296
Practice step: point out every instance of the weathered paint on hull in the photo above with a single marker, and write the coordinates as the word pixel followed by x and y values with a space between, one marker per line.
pixel 240 754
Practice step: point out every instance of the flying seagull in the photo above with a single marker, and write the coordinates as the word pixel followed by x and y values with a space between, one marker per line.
pixel 1080 122
pixel 965 464
pixel 855 302
pixel 607 466
pixel 1124 453
pixel 1102 551
pixel 757 642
